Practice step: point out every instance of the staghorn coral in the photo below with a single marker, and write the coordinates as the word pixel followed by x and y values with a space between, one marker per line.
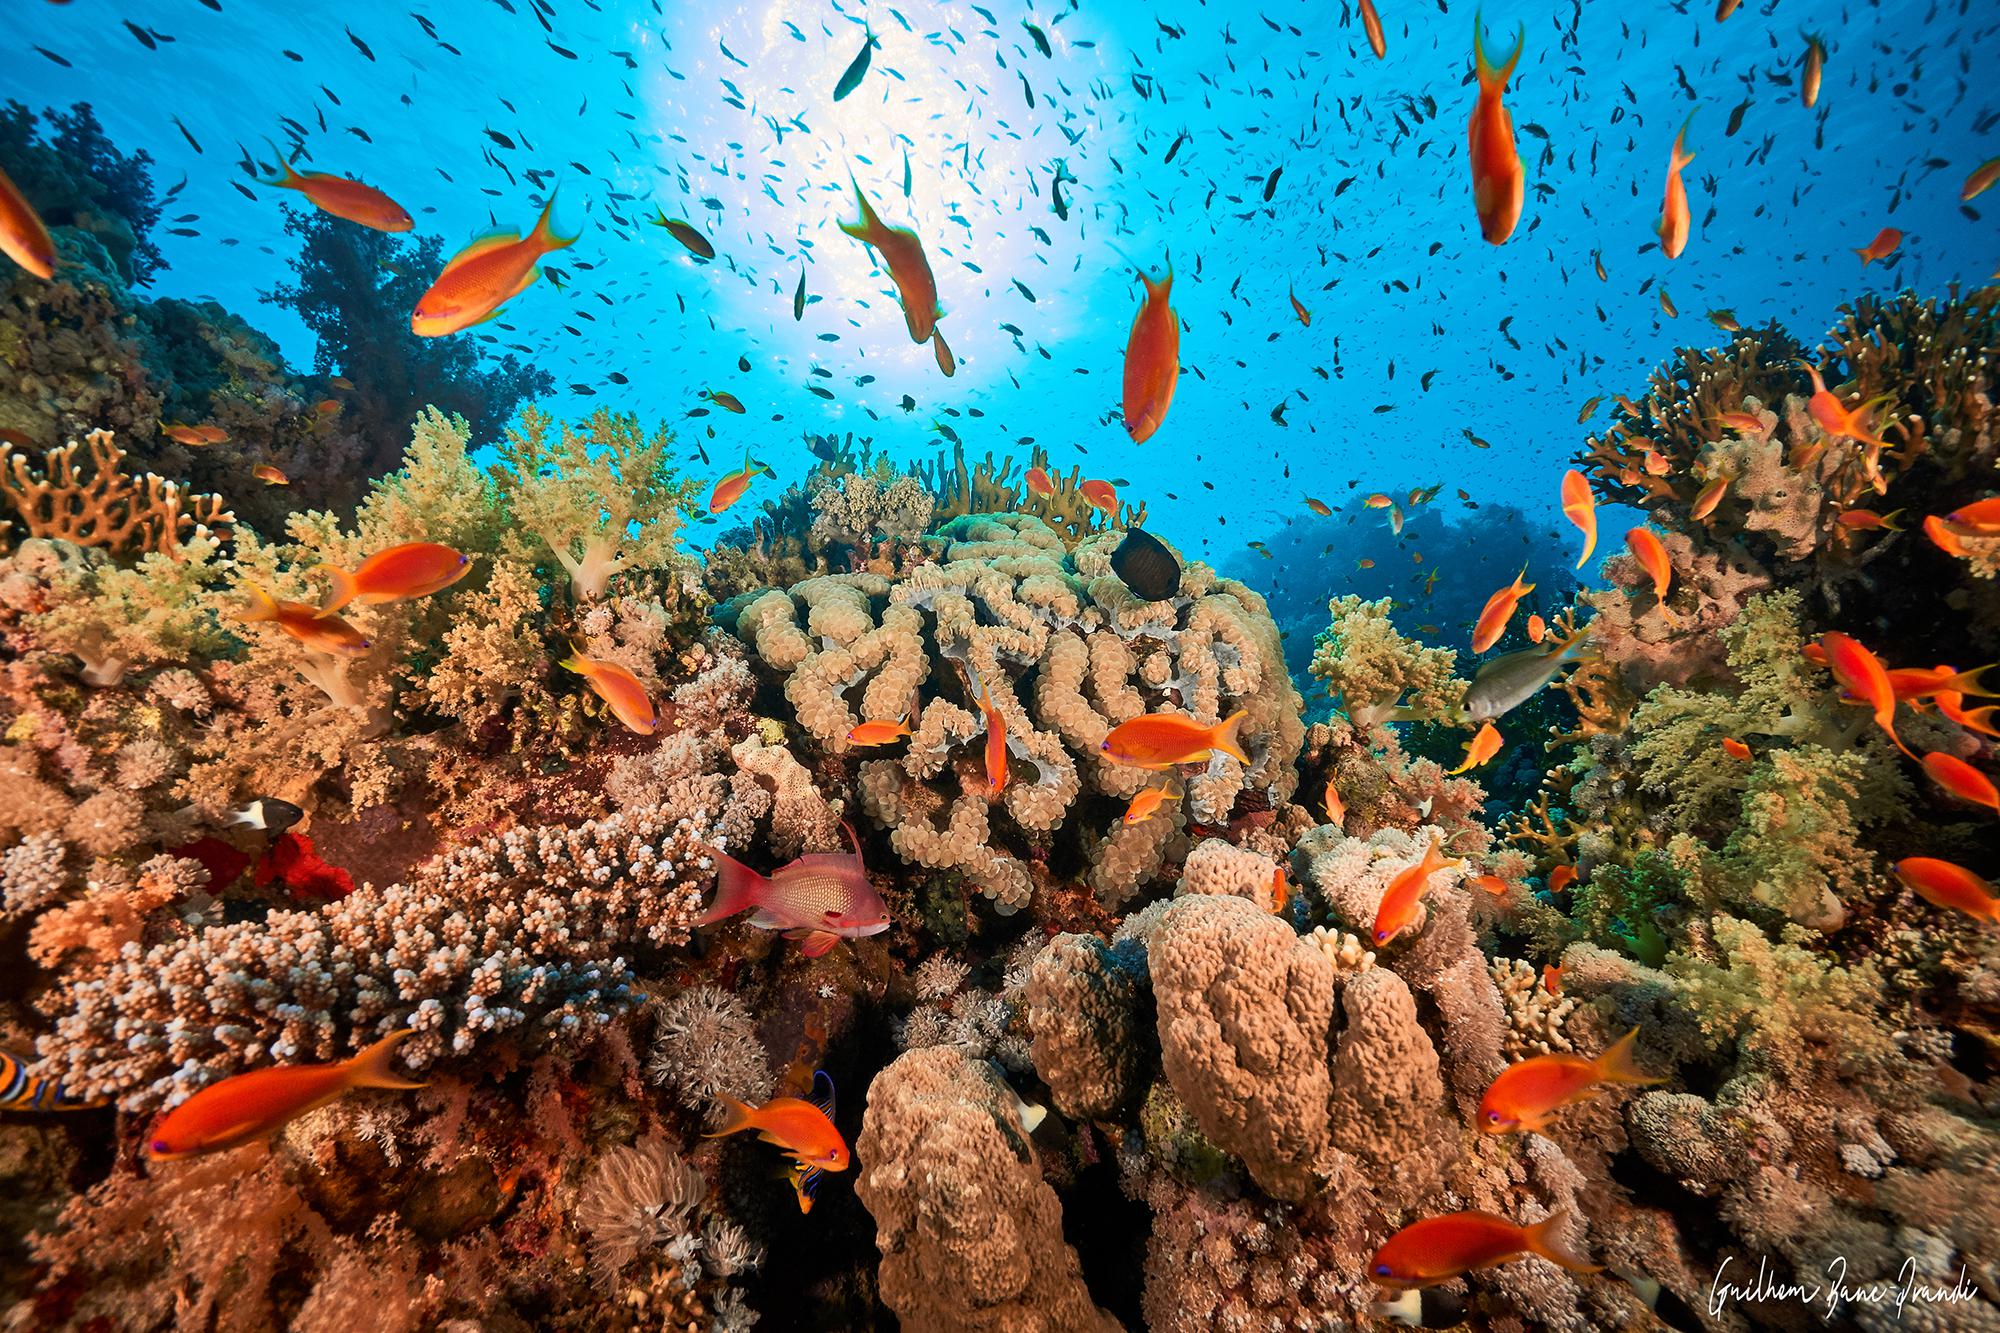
pixel 93 502
pixel 970 1234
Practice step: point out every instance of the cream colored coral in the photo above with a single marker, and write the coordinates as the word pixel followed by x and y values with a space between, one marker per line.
pixel 1244 1010
pixel 802 819
pixel 971 1235
pixel 1344 951
pixel 1534 1017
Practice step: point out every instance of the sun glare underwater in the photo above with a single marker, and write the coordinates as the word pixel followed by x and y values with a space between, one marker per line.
pixel 999 667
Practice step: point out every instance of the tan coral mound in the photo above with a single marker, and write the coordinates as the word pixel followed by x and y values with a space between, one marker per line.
pixel 970 1233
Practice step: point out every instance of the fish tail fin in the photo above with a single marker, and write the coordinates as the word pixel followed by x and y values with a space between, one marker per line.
pixel 544 235
pixel 263 606
pixel 340 593
pixel 1543 1238
pixel 374 1067
pixel 1226 737
pixel 736 1118
pixel 1681 156
pixel 1866 258
pixel 287 177
pixel 737 887
pixel 1493 78
pixel 868 225
pixel 1967 682
pixel 1619 1065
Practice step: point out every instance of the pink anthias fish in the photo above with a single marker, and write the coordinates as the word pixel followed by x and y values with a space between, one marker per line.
pixel 821 898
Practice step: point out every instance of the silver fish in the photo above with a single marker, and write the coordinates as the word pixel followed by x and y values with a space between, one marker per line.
pixel 1508 681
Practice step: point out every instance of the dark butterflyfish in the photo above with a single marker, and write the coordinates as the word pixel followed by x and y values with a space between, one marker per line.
pixel 1146 566
pixel 267 814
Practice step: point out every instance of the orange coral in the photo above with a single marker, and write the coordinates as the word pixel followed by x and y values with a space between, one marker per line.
pixel 101 505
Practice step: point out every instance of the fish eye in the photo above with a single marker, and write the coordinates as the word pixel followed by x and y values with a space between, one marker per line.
pixel 1383 1270
pixel 160 1145
pixel 1493 1116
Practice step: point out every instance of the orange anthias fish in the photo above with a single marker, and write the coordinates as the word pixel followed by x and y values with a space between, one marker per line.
pixel 1152 359
pixel 23 238
pixel 820 898
pixel 1148 802
pixel 1910 683
pixel 619 688
pixel 1484 744
pixel 724 399
pixel 1371 22
pixel 1653 558
pixel 247 1107
pixel 1538 629
pixel 1336 809
pixel 996 743
pixel 1499 609
pixel 1735 749
pixel 1744 423
pixel 1884 245
pixel 321 633
pixel 1402 902
pixel 1952 705
pixel 1962 780
pixel 1580 507
pixel 1862 675
pixel 729 489
pixel 269 475
pixel 1867 520
pixel 414 569
pixel 1815 67
pixel 1101 496
pixel 804 1129
pixel 1674 219
pixel 1552 978
pixel 1527 1094
pixel 1305 316
pixel 485 276
pixel 903 255
pixel 196 437
pixel 1438 1249
pixel 1498 181
pixel 1708 498
pixel 1561 878
pixel 880 732
pixel 1980 180
pixel 1837 419
pixel 342 198
pixel 1944 884
pixel 1162 740
pixel 1039 482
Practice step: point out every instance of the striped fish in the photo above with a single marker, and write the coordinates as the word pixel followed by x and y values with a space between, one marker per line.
pixel 22 1091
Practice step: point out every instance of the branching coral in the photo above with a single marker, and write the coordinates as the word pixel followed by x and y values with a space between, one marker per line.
pixel 1370 668
pixel 601 496
pixel 93 502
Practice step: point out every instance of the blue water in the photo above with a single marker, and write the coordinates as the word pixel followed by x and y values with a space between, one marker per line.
pixel 633 107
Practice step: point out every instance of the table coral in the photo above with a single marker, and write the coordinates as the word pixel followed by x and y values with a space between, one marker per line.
pixel 970 1233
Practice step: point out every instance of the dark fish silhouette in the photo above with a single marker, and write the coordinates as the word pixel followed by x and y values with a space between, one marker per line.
pixel 857 69
pixel 1145 565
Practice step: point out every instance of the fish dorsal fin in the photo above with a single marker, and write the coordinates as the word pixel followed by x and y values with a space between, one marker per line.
pixel 486 244
pixel 824 1101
